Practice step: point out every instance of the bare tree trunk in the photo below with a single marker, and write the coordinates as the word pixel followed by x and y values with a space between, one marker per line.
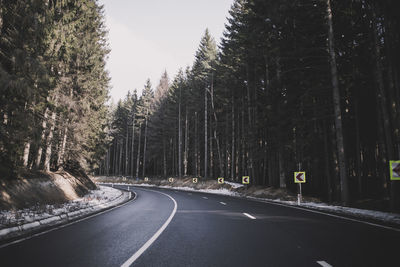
pixel 49 142
pixel 165 158
pixel 250 131
pixel 282 178
pixel 211 166
pixel 60 159
pixel 337 109
pixel 327 165
pixel 179 137
pixel 120 164
pixel 126 172
pixel 138 154
pixel 42 139
pixel 133 144
pixel 233 140
pixel 185 156
pixel 108 162
pixel 205 133
pixel 221 168
pixel 196 150
pixel 383 104
pixel 145 143
pixel 26 153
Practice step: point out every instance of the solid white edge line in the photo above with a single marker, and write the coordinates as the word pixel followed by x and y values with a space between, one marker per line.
pixel 223 203
pixel 324 264
pixel 155 236
pixel 67 224
pixel 327 214
pixel 205 197
pixel 248 215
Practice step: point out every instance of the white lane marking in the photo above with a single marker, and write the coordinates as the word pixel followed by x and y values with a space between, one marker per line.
pixel 190 194
pixel 248 215
pixel 175 191
pixel 328 214
pixel 65 225
pixel 324 264
pixel 155 236
pixel 223 203
pixel 205 197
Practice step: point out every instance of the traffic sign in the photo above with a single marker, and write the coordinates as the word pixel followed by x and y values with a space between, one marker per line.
pixel 195 180
pixel 170 179
pixel 394 170
pixel 146 179
pixel 220 180
pixel 300 177
pixel 245 180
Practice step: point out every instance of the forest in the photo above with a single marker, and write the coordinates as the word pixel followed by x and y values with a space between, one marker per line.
pixel 308 85
pixel 54 86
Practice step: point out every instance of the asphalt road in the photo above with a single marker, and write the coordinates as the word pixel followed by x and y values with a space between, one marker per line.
pixel 176 228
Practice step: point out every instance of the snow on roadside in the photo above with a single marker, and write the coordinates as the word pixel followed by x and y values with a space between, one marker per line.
pixel 360 213
pixel 95 199
pixel 221 191
pixel 234 185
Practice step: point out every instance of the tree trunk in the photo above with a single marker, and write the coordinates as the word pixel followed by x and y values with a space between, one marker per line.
pixel 383 104
pixel 138 154
pixel 179 137
pixel 60 159
pixel 145 144
pixel 126 172
pixel 165 158
pixel 221 168
pixel 26 153
pixel 337 110
pixel 120 164
pixel 196 149
pixel 205 133
pixel 233 141
pixel 49 142
pixel 185 156
pixel 42 139
pixel 133 144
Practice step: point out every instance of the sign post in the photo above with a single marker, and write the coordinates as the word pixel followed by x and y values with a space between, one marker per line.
pixel 394 170
pixel 299 178
pixel 220 180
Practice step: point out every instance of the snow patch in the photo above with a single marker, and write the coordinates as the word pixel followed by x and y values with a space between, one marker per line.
pixel 39 215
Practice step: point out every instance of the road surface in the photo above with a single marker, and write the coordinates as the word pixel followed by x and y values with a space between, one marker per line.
pixel 163 227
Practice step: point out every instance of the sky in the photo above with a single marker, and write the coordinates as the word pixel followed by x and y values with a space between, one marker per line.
pixel 147 37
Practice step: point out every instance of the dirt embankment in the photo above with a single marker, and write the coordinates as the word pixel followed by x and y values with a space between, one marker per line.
pixel 40 188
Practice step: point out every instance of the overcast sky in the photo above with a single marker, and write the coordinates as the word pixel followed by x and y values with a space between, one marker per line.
pixel 149 36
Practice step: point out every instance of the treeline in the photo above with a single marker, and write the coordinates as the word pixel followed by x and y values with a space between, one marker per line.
pixel 53 85
pixel 307 85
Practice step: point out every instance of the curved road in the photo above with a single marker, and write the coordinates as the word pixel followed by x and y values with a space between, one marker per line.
pixel 176 228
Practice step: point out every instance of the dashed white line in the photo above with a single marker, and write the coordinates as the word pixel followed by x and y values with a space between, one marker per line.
pixel 248 215
pixel 223 203
pixel 190 194
pixel 205 197
pixel 154 237
pixel 324 264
